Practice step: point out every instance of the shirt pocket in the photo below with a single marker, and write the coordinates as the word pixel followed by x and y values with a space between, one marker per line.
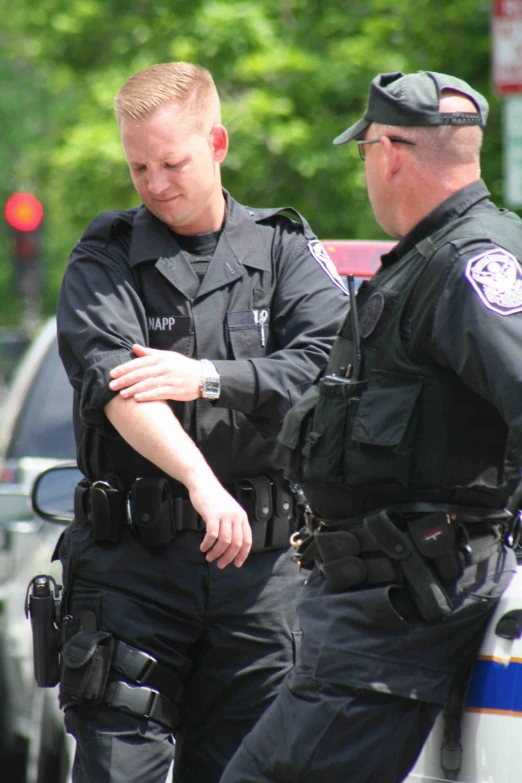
pixel 248 333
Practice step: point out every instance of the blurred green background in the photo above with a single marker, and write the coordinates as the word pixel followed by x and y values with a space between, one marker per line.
pixel 292 74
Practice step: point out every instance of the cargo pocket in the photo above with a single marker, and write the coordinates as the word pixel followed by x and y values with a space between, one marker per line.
pixel 378 448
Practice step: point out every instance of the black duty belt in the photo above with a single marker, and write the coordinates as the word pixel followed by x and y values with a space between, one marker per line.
pixel 424 551
pixel 158 516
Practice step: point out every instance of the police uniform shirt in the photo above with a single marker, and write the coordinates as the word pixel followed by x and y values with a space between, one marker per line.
pixel 266 314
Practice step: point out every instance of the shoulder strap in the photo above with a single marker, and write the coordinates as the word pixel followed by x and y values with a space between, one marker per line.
pixel 260 215
pixel 459 236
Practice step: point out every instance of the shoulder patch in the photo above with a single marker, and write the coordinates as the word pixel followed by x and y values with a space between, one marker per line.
pixel 318 252
pixel 496 276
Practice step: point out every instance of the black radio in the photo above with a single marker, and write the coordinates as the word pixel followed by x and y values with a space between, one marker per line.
pixel 42 605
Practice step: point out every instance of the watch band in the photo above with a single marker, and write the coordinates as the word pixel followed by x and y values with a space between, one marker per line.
pixel 210 384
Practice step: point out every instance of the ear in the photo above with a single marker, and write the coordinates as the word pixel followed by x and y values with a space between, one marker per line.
pixel 392 162
pixel 219 143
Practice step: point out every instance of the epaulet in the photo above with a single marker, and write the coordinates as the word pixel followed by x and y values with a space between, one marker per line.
pixel 104 225
pixel 260 215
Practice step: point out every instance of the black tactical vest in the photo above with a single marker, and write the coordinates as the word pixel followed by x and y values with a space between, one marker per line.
pixel 402 430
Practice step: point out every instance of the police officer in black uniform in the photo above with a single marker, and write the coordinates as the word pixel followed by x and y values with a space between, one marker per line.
pixel 408 450
pixel 188 326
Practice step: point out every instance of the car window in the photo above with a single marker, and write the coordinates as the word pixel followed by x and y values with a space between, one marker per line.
pixel 44 426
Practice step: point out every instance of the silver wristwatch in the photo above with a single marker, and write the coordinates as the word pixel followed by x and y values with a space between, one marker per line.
pixel 210 384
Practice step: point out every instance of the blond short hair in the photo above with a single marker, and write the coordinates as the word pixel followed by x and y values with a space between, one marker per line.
pixel 181 84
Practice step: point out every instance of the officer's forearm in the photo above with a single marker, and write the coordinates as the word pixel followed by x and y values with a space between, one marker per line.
pixel 152 429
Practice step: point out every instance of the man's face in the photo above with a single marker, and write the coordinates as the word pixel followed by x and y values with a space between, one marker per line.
pixel 379 193
pixel 176 170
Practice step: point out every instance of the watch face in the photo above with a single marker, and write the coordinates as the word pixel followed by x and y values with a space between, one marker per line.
pixel 212 389
pixel 210 384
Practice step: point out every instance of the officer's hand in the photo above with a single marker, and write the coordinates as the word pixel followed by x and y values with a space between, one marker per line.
pixel 229 535
pixel 157 375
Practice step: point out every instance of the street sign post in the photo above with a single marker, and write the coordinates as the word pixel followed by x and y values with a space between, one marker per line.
pixel 507 46
pixel 513 150
pixel 506 30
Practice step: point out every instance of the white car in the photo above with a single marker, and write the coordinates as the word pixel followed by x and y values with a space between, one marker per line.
pixel 491 725
pixel 35 433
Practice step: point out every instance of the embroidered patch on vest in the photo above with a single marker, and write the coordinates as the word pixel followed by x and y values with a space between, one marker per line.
pixel 318 252
pixel 496 276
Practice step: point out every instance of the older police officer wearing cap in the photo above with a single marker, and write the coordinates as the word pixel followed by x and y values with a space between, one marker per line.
pixel 188 326
pixel 408 450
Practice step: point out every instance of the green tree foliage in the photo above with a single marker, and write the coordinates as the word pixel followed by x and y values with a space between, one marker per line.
pixel 292 75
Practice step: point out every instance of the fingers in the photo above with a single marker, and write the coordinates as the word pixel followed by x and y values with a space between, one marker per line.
pixel 141 375
pixel 133 372
pixel 157 375
pixel 228 540
pixel 142 350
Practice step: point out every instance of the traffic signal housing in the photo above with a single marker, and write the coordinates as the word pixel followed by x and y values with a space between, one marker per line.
pixel 24 214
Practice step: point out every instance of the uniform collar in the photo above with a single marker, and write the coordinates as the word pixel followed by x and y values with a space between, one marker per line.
pixel 450 209
pixel 239 245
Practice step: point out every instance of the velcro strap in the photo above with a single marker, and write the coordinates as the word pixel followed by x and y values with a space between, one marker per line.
pixel 141 701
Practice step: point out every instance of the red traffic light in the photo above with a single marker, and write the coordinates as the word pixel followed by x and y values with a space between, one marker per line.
pixel 23 211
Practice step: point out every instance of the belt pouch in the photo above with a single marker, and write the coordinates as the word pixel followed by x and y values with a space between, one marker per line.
pixel 81 497
pixel 434 537
pixel 425 589
pixel 255 495
pixel 152 512
pixel 107 512
pixel 339 560
pixel 280 525
pixel 86 661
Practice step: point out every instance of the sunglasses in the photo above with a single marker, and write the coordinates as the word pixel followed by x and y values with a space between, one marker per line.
pixel 397 139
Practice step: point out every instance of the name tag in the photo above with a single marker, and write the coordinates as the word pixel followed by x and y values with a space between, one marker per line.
pixel 169 323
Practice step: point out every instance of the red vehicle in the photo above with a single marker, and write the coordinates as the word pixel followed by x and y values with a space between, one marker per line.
pixel 360 258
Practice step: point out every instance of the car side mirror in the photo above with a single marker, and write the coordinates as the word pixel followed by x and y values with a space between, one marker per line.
pixel 52 496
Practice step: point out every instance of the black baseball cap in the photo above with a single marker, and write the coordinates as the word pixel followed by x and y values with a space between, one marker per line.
pixel 413 99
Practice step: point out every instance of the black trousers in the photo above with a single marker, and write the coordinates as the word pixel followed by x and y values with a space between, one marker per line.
pixel 231 636
pixel 371 679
